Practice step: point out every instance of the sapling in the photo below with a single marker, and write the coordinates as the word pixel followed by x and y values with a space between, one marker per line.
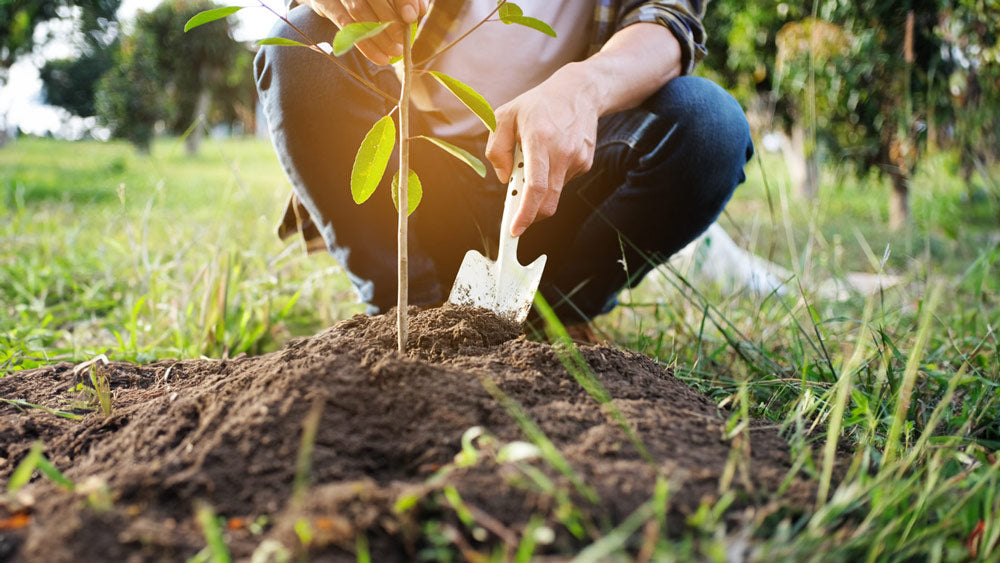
pixel 373 155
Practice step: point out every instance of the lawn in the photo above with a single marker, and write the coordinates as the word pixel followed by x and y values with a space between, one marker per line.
pixel 104 251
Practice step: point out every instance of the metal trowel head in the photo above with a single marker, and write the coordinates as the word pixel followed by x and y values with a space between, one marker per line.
pixel 503 286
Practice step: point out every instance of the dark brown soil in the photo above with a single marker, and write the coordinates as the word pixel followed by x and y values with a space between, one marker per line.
pixel 228 433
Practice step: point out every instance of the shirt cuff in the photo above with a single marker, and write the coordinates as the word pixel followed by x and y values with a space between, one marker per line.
pixel 686 27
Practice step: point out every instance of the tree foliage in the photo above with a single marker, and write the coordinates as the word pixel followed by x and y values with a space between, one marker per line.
pixel 129 98
pixel 204 72
pixel 20 18
pixel 875 84
pixel 70 83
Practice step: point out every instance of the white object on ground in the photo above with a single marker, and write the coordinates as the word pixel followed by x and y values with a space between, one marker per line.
pixel 714 257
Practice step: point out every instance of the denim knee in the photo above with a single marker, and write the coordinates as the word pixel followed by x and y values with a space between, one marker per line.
pixel 710 128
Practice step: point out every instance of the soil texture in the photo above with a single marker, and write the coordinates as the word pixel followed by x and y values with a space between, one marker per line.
pixel 384 460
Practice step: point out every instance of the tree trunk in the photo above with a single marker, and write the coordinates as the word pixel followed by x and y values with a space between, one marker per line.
pixel 899 199
pixel 3 130
pixel 193 140
pixel 803 168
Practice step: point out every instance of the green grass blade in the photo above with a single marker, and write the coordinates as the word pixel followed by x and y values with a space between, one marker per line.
pixel 526 548
pixel 910 376
pixel 550 452
pixel 303 465
pixel 52 472
pixel 580 370
pixel 210 527
pixel 25 404
pixel 361 550
pixel 22 473
pixel 842 391
pixel 616 540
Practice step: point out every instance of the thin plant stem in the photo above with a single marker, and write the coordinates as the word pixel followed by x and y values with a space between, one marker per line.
pixel 402 301
pixel 314 45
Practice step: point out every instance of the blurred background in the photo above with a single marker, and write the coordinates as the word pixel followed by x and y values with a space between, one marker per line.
pixel 866 85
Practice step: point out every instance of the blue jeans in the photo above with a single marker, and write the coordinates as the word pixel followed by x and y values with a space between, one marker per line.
pixel 662 174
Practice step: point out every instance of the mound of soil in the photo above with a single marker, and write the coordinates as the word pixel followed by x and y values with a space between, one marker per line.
pixel 383 461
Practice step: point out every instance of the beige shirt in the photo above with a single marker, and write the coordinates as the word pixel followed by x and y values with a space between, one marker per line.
pixel 502 61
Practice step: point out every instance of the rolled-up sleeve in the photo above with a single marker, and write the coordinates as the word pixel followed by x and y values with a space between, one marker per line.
pixel 682 17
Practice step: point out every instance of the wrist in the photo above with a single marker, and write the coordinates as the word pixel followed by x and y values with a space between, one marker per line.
pixel 586 81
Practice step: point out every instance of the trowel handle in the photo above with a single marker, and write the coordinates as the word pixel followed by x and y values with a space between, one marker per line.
pixel 515 193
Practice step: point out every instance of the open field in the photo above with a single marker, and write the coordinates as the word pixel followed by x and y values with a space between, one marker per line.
pixel 144 258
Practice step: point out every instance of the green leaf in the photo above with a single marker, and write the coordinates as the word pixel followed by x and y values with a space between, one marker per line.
pixel 372 158
pixel 351 33
pixel 212 530
pixel 459 153
pixel 210 16
pixel 509 10
pixel 53 473
pixel 405 503
pixel 414 192
pixel 533 23
pixel 281 41
pixel 22 473
pixel 472 99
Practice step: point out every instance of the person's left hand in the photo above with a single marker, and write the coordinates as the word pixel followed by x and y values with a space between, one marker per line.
pixel 556 123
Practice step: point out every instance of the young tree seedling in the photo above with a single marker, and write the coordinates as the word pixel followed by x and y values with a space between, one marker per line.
pixel 373 155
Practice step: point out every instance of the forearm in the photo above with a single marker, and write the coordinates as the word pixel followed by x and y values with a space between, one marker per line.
pixel 636 62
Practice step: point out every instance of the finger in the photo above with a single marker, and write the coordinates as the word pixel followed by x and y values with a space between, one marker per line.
pixel 333 11
pixel 500 147
pixel 536 180
pixel 361 11
pixel 550 202
pixel 408 10
pixel 385 11
pixel 336 11
pixel 580 165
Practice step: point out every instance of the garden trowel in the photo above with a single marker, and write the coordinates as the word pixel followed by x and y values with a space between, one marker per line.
pixel 503 286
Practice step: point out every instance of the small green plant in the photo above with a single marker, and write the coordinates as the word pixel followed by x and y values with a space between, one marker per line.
pixel 373 155
pixel 36 460
pixel 211 526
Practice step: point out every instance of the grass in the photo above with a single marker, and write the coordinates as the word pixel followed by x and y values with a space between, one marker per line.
pixel 141 257
pixel 106 251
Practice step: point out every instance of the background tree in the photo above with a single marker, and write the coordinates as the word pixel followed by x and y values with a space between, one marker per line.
pixel 187 81
pixel 19 20
pixel 70 83
pixel 129 98
pixel 871 84
pixel 970 31
pixel 195 65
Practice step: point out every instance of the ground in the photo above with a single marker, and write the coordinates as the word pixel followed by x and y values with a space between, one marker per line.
pixel 228 433
pixel 147 258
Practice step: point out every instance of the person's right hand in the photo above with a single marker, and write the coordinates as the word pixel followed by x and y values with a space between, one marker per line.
pixel 389 43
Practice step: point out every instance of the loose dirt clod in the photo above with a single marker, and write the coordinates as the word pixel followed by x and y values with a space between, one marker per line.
pixel 228 432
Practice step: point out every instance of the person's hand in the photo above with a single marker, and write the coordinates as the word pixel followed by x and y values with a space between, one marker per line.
pixel 389 43
pixel 556 123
